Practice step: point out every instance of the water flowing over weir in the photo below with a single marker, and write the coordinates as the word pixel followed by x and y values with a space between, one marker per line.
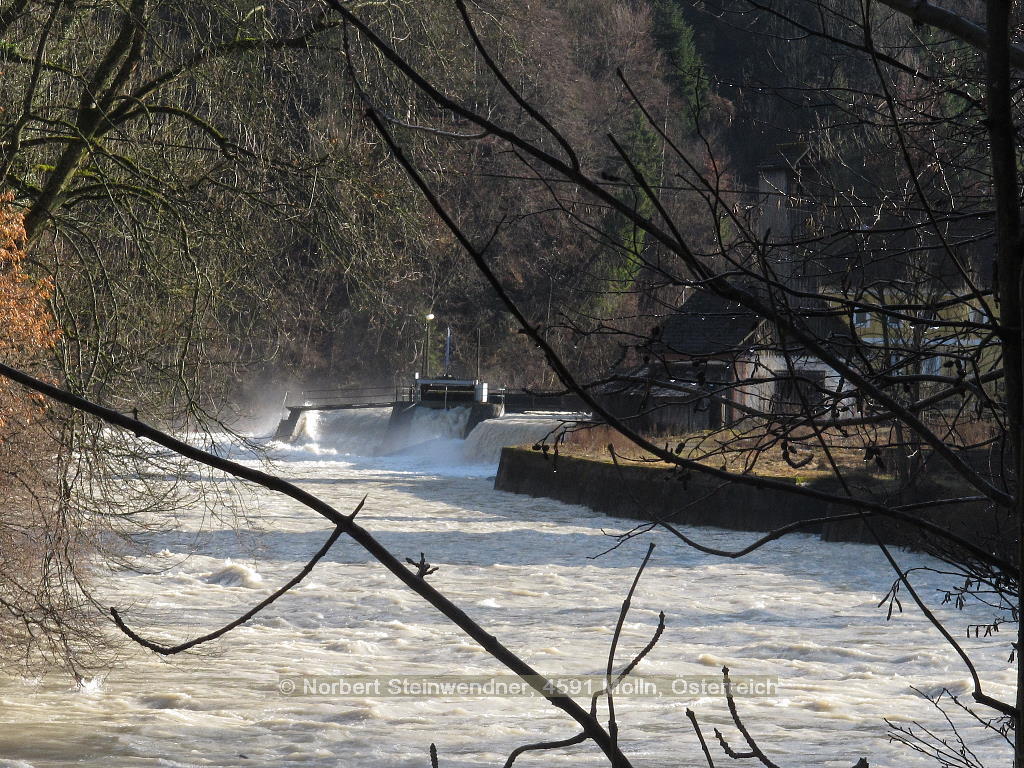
pixel 531 572
pixel 358 432
pixel 485 442
pixel 362 432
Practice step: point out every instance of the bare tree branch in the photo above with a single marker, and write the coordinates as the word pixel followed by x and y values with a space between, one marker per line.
pixel 347 525
pixel 170 650
pixel 925 12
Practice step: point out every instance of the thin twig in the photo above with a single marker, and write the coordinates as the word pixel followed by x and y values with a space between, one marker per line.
pixel 544 745
pixel 700 737
pixel 170 650
pixel 613 728
pixel 755 751
pixel 979 695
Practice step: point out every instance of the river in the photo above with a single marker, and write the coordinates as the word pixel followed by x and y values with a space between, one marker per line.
pixel 535 573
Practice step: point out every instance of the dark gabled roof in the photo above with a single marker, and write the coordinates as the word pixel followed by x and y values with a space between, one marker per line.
pixel 830 330
pixel 706 325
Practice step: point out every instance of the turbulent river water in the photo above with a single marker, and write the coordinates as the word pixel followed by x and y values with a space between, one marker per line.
pixel 532 572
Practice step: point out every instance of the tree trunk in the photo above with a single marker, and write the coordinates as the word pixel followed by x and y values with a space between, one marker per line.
pixel 1008 243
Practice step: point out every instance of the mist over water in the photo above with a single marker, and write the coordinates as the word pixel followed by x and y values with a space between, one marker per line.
pixel 532 572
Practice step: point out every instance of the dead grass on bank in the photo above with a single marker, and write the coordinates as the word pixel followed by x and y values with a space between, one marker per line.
pixel 723 449
pixel 878 459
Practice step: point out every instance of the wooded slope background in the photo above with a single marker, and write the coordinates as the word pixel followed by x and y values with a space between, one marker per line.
pixel 201 187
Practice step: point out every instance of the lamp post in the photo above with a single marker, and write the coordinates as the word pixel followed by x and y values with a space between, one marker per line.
pixel 426 345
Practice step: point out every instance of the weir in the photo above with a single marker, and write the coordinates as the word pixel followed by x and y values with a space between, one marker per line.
pixel 485 442
pixel 445 393
pixel 416 413
pixel 445 434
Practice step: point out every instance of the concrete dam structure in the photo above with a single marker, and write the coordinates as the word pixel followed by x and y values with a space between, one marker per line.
pixel 386 420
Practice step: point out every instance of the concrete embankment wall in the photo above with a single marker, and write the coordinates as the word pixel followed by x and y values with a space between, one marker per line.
pixel 655 493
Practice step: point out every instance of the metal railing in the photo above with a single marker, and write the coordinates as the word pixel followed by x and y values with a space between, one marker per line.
pixel 350 397
pixel 369 397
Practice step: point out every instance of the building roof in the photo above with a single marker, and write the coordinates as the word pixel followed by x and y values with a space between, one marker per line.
pixel 706 325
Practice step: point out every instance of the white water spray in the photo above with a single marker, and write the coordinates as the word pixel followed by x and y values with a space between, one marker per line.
pixel 432 431
pixel 437 424
pixel 356 432
pixel 483 445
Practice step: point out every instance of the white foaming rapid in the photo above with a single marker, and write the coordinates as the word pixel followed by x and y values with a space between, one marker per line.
pixel 528 571
pixel 234 575
pixel 433 441
pixel 358 431
pixel 483 445
pixel 437 424
pixel 362 431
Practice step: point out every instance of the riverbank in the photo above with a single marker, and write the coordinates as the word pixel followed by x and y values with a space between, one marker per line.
pixel 654 492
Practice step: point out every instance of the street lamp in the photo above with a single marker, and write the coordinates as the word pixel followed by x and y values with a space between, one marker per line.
pixel 426 345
